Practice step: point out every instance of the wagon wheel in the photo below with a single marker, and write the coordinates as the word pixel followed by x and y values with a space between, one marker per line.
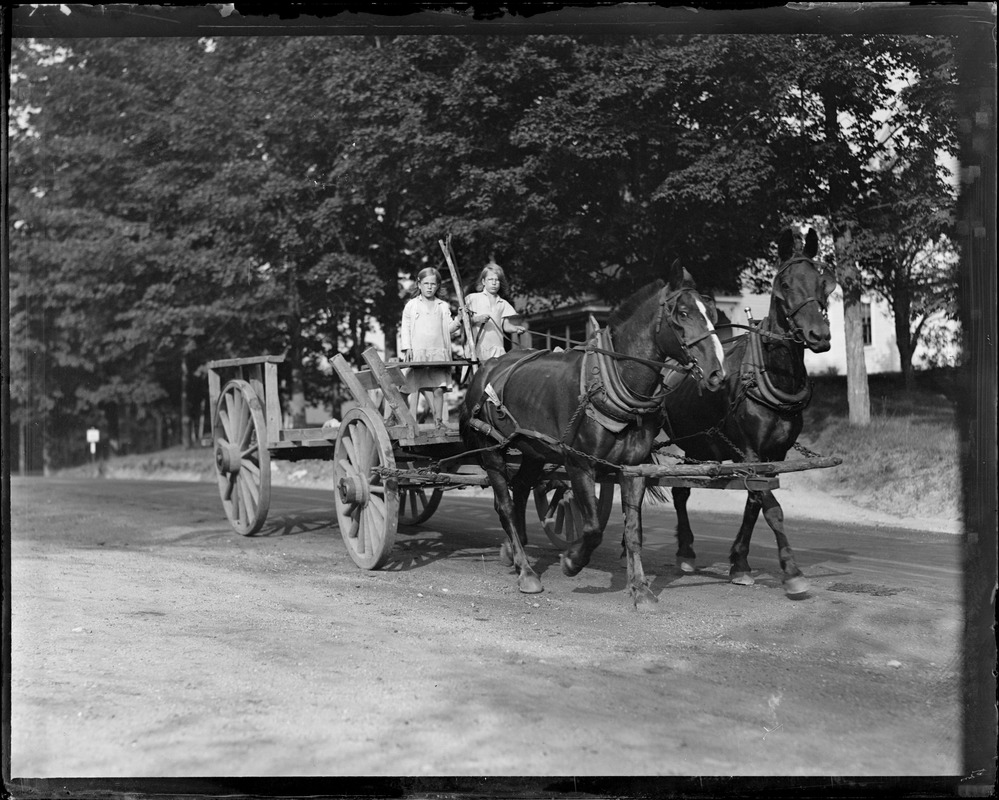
pixel 367 504
pixel 560 515
pixel 416 506
pixel 242 461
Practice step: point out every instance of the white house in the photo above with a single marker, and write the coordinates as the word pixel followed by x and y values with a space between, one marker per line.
pixel 880 346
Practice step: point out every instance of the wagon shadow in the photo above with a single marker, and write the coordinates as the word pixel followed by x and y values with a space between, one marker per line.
pixel 311 521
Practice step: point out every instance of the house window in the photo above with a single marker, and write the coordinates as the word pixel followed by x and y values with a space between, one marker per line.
pixel 865 323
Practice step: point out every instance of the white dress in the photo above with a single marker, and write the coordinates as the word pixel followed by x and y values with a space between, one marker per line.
pixel 489 335
pixel 426 333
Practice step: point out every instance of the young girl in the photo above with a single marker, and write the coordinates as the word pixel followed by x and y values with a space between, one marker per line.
pixel 426 333
pixel 490 314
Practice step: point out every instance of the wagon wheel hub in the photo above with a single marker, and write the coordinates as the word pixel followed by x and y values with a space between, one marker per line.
pixel 353 490
pixel 227 458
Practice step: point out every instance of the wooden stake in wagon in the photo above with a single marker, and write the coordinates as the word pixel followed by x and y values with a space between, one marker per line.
pixel 466 323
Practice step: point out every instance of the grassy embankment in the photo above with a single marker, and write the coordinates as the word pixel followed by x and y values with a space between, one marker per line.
pixel 905 463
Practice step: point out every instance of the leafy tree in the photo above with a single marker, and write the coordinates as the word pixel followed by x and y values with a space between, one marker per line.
pixel 250 195
pixel 854 106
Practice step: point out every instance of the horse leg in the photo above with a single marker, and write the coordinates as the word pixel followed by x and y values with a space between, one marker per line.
pixel 632 493
pixel 577 555
pixel 794 580
pixel 685 555
pixel 527 579
pixel 739 554
pixel 526 479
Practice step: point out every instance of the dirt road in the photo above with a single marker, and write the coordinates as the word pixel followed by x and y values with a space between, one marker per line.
pixel 150 640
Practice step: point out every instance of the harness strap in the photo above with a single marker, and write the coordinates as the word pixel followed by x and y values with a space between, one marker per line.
pixel 763 389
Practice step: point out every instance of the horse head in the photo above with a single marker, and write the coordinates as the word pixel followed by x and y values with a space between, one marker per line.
pixel 689 337
pixel 801 291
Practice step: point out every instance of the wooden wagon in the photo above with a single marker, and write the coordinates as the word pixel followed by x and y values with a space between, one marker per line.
pixel 391 471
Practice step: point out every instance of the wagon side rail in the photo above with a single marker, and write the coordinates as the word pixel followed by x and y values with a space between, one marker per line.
pixel 258 371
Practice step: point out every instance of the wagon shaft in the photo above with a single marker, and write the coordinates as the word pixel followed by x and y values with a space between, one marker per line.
pixel 714 470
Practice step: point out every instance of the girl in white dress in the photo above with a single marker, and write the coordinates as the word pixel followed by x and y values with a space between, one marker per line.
pixel 426 333
pixel 490 314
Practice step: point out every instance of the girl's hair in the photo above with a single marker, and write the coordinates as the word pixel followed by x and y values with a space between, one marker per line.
pixel 427 272
pixel 495 268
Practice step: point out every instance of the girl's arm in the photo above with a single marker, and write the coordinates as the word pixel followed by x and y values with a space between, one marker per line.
pixel 508 325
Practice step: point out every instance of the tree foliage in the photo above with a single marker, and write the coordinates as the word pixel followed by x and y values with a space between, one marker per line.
pixel 180 200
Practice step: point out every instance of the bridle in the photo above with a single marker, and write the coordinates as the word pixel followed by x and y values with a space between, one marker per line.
pixel 797 332
pixel 667 311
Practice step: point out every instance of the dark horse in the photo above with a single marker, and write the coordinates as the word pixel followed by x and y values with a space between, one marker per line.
pixel 591 409
pixel 759 415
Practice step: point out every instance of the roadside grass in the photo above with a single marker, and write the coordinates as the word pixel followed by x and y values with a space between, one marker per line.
pixel 906 462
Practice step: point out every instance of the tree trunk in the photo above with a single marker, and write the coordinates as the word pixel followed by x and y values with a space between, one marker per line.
pixel 904 342
pixel 857 390
pixel 185 416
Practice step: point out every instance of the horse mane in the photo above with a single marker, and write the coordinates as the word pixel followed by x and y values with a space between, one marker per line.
pixel 628 306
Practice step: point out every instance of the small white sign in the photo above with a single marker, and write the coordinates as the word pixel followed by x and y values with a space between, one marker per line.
pixel 93 435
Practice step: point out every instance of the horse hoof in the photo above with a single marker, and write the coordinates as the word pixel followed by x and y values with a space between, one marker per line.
pixel 742 579
pixel 505 556
pixel 796 587
pixel 568 567
pixel 686 565
pixel 530 584
pixel 644 599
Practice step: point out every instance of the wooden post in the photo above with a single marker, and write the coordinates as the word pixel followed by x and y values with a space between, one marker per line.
pixel 466 324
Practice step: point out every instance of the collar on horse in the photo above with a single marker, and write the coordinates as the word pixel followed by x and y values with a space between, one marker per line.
pixel 602 385
pixel 759 385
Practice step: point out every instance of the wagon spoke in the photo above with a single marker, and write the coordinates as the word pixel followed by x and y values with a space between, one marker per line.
pixel 247 496
pixel 418 496
pixel 361 537
pixel 247 437
pixel 376 506
pixel 230 482
pixel 233 401
pixel 347 467
pixel 348 445
pixel 253 492
pixel 365 449
pixel 553 504
pixel 355 522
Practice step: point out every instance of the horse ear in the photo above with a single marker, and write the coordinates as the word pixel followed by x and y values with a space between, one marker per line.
pixel 677 274
pixel 811 243
pixel 785 244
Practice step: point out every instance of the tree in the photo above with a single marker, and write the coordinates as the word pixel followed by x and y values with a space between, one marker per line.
pixel 854 105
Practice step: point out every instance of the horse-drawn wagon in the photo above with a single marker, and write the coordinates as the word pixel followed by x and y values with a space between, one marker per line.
pixel 391 471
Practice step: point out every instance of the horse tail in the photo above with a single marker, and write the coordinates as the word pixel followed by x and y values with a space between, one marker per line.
pixel 658 494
